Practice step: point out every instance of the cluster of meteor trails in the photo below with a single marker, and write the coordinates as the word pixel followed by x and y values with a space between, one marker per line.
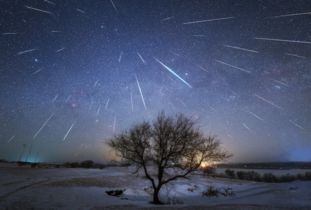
pixel 165 67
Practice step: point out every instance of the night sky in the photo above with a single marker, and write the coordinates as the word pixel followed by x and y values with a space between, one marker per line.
pixel 73 73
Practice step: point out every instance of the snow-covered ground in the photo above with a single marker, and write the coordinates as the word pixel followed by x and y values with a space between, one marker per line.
pixel 26 188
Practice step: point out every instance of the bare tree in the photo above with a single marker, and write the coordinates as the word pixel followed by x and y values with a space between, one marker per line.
pixel 167 149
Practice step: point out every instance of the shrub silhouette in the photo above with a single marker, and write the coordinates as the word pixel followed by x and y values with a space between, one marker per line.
pixel 87 164
pixel 230 173
pixel 269 177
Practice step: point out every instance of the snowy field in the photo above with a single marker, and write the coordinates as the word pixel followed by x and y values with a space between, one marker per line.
pixel 26 188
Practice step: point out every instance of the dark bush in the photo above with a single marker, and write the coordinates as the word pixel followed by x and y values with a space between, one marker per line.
pixel 21 163
pixel 230 173
pixel 300 176
pixel 211 191
pixel 269 177
pixel 287 178
pixel 255 176
pixel 87 164
pixel 240 174
pixel 98 165
pixel 34 165
pixel 72 165
pixel 214 192
pixel 209 170
pixel 307 176
pixel 115 192
pixel 227 192
pixel 249 175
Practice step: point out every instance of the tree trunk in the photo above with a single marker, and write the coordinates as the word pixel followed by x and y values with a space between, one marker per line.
pixel 156 199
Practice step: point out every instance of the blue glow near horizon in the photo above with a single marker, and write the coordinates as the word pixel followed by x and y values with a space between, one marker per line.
pixel 300 154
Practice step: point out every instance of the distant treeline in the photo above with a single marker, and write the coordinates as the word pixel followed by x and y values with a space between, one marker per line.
pixel 82 164
pixel 91 164
pixel 268 165
pixel 255 176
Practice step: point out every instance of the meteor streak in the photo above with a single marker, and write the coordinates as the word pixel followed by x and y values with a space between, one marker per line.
pixel 59 50
pixel 208 20
pixel 39 10
pixel 255 115
pixel 291 15
pixel 9 33
pixel 280 82
pixel 235 67
pixel 114 124
pixel 171 71
pixel 43 125
pixel 240 48
pixel 295 55
pixel 96 83
pixel 267 101
pixel 81 11
pixel 66 135
pixel 140 91
pixel 114 6
pixel 198 35
pixel 98 110
pixel 55 98
pixel 296 124
pixel 245 126
pixel 36 72
pixel 202 68
pixel 120 57
pixel 141 58
pixel 49 2
pixel 12 137
pixel 167 18
pixel 26 51
pixel 107 104
pixel 68 98
pixel 283 40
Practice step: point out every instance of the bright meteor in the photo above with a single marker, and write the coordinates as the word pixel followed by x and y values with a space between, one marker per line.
pixel 140 91
pixel 173 72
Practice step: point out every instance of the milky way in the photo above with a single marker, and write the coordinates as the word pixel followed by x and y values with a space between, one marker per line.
pixel 74 73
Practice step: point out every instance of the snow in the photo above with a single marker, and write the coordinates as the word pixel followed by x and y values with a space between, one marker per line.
pixel 23 188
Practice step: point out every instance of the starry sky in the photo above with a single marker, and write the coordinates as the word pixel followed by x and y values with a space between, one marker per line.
pixel 74 73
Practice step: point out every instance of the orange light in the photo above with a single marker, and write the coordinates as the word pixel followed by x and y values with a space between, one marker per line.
pixel 204 164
